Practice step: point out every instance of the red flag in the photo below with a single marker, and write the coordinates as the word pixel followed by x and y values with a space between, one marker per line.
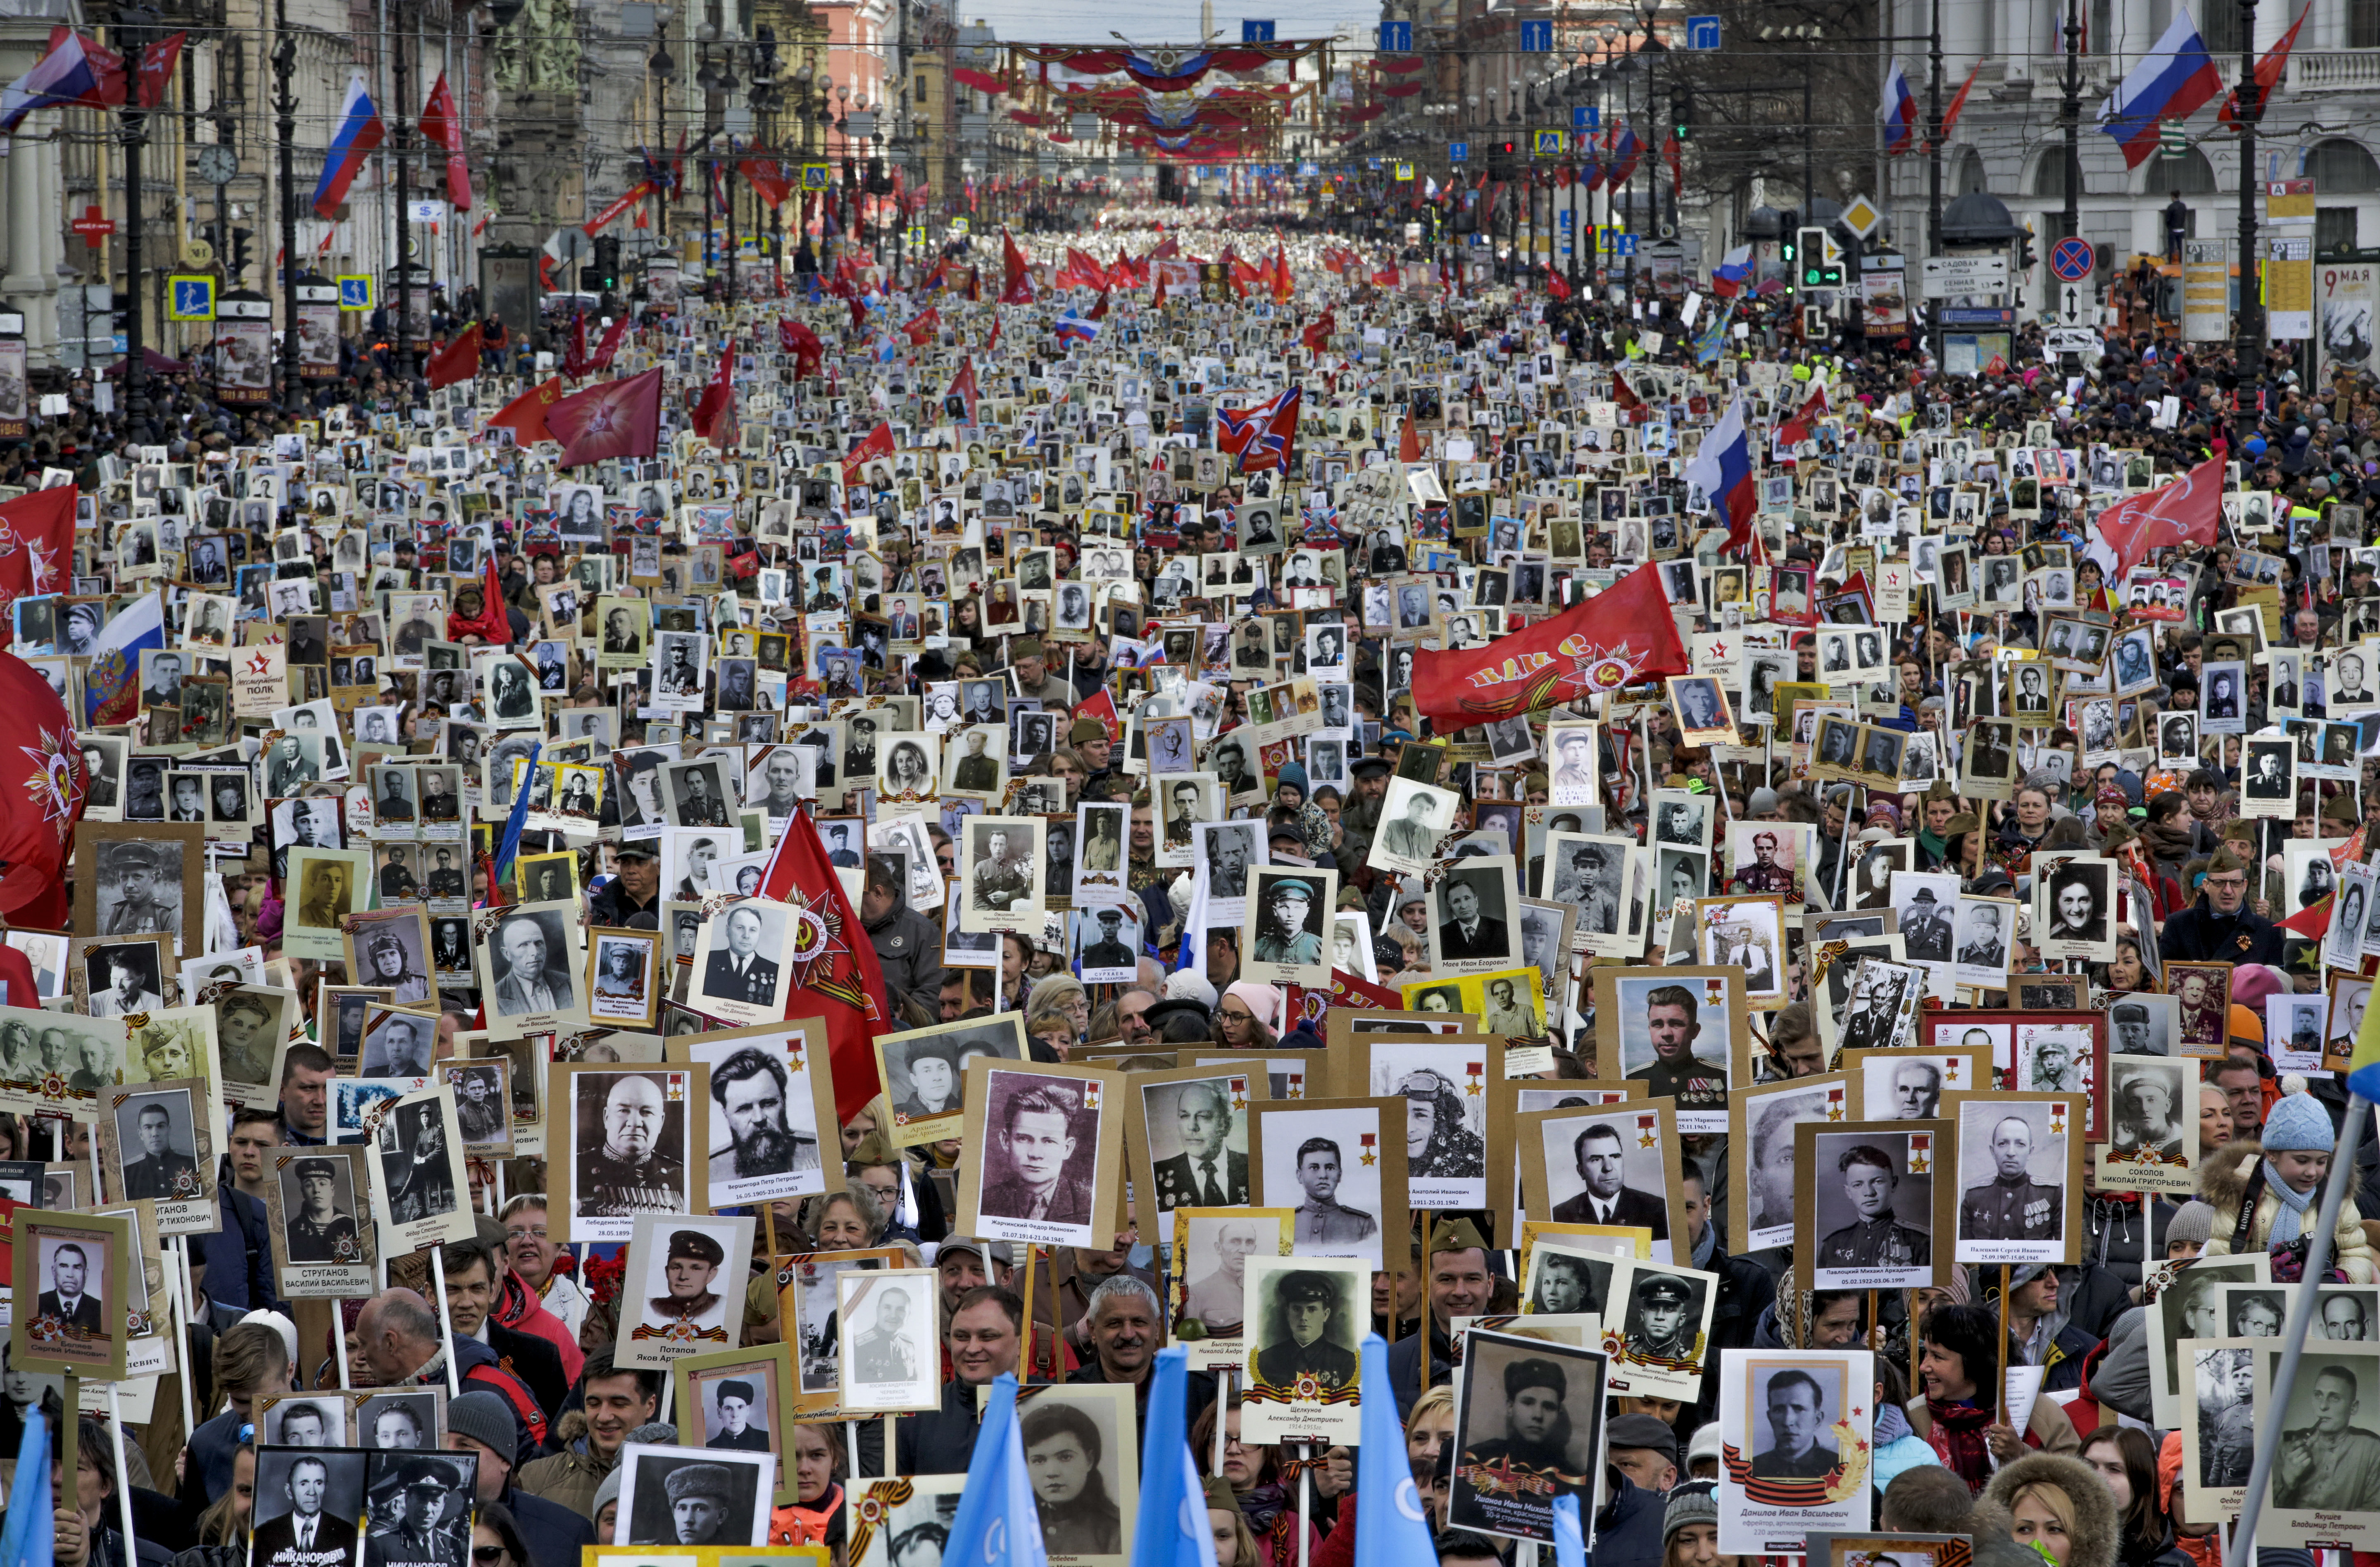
pixel 1017 287
pixel 40 798
pixel 1556 284
pixel 922 326
pixel 610 345
pixel 459 360
pixel 1166 249
pixel 797 340
pixel 835 972
pixel 879 444
pixel 525 415
pixel 41 524
pixel 617 418
pixel 1409 443
pixel 1959 102
pixel 2268 74
pixel 575 362
pixel 2312 921
pixel 1098 310
pixel 1624 398
pixel 493 624
pixel 717 410
pixel 16 582
pixel 1620 636
pixel 767 176
pixel 157 62
pixel 992 342
pixel 1677 167
pixel 1795 430
pixel 2187 511
pixel 963 388
pixel 1316 336
pixel 442 127
pixel 1280 284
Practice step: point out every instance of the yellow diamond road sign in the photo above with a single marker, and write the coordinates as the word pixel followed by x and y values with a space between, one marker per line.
pixel 1860 217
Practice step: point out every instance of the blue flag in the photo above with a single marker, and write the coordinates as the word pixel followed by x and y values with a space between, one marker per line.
pixel 1172 1530
pixel 509 848
pixel 29 1537
pixel 1570 1540
pixel 1387 1504
pixel 999 1523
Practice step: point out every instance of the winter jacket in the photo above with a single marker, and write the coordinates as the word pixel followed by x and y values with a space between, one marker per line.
pixel 909 949
pixel 2048 1429
pixel 2223 1184
pixel 943 1441
pixel 552 1532
pixel 1404 1378
pixel 2060 1351
pixel 572 1476
pixel 1628 1530
pixel 2118 1244
pixel 2094 1539
pixel 2198 934
pixel 524 1311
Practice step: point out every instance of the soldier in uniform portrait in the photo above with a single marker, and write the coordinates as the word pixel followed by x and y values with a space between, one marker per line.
pixel 1764 874
pixel 1662 1327
pixel 2013 1207
pixel 740 974
pixel 1107 952
pixel 1925 928
pixel 1796 1416
pixel 629 1171
pixel 736 1430
pixel 1281 935
pixel 1673 1019
pixel 883 1353
pixel 138 909
pixel 318 1232
pixel 1321 1218
pixel 161 1172
pixel 1298 1344
pixel 412 1508
pixel 2144 1123
pixel 480 1116
pixel 1874 1239
pixel 420 1186
pixel 1003 879
pixel 1537 1433
pixel 1206 1174
pixel 692 1310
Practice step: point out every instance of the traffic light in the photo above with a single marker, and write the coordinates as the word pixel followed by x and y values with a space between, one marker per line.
pixel 2028 261
pixel 1789 252
pixel 243 251
pixel 603 277
pixel 1681 112
pixel 1815 271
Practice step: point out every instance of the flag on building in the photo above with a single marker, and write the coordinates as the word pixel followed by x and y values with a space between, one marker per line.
pixel 2174 81
pixel 1900 112
pixel 361 130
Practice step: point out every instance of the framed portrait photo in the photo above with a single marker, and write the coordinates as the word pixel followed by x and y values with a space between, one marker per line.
pixel 1051 1141
pixel 683 1294
pixel 922 1070
pixel 771 1110
pixel 1340 1163
pixel 418 1191
pixel 1210 1284
pixel 72 1268
pixel 156 1143
pixel 742 961
pixel 1524 1403
pixel 634 1139
pixel 738 1401
pixel 2151 1137
pixel 1188 1131
pixel 530 958
pixel 314 1492
pixel 1612 1165
pixel 1303 1319
pixel 318 1203
pixel 694 1495
pixel 890 1362
pixel 2020 1176
pixel 1797 1426
pixel 1872 1200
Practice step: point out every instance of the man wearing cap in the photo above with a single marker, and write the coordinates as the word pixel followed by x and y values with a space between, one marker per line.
pixel 478 1118
pixel 975 772
pixel 1281 935
pixel 411 1507
pixel 1297 1344
pixel 1796 1414
pixel 138 909
pixel 308 1535
pixel 1764 874
pixel 692 1312
pixel 161 1172
pixel 1873 1238
pixel 1661 1325
pixel 735 1428
pixel 445 880
pixel 318 1232
pixel 1107 952
pixel 1924 930
pixel 479 1424
pixel 699 1496
pixel 1575 769
pixel 1032 678
pixel 1537 1432
pixel 2134 1032
pixel 2221 927
pixel 1206 1174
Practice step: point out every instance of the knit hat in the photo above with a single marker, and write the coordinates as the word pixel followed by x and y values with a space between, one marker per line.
pixel 608 1491
pixel 1705 1444
pixel 2297 1124
pixel 1694 1501
pixel 2192 1222
pixel 1293 775
pixel 1183 985
pixel 1265 1000
pixel 486 1419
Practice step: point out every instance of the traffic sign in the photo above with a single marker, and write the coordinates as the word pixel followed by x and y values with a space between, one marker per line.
pixel 2071 340
pixel 1255 32
pixel 817 176
pixel 1862 216
pixel 1947 277
pixel 356 293
pixel 1586 116
pixel 2071 259
pixel 1404 171
pixel 1396 37
pixel 1456 152
pixel 190 299
pixel 1702 32
pixel 1538 37
pixel 1548 143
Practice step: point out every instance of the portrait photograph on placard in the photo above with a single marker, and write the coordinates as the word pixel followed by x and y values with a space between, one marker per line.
pixel 1871 1198
pixel 1051 1139
pixel 1676 1030
pixel 1795 1428
pixel 319 1213
pixel 1303 1319
pixel 420 1193
pixel 70 1268
pixel 1340 1163
pixel 157 1143
pixel 924 1072
pixel 1188 1131
pixel 772 1110
pixel 1079 1446
pixel 2325 1478
pixel 680 1295
pixel 1612 1165
pixel 694 1495
pixel 1210 1284
pixel 308 1504
pixel 738 1401
pixel 2152 1142
pixel 891 1340
pixel 632 1140
pixel 2020 1176
pixel 1764 1117
pixel 1528 1427
pixel 2190 1306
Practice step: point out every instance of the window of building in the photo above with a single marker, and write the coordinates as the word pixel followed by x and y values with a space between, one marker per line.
pixel 1970 176
pixel 2340 167
pixel 2049 176
pixel 2218 24
pixel 2334 228
pixel 2363 24
pixel 2190 175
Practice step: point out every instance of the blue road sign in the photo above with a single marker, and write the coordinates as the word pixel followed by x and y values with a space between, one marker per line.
pixel 1536 38
pixel 1702 32
pixel 1255 32
pixel 2071 259
pixel 1396 37
pixel 1586 116
pixel 191 298
pixel 355 293
pixel 1457 152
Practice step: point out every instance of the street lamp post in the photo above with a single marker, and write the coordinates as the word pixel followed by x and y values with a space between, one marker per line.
pixel 661 67
pixel 2250 345
pixel 132 36
pixel 285 103
pixel 397 62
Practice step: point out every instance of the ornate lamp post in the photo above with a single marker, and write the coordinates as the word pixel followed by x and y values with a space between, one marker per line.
pixel 132 30
pixel 285 103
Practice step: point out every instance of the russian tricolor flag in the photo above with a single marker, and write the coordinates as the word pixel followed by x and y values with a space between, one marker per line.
pixel 65 75
pixel 2173 81
pixel 361 130
pixel 1722 466
pixel 1734 269
pixel 1899 113
pixel 1072 328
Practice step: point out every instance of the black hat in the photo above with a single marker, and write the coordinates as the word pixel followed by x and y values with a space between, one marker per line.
pixel 1535 1372
pixel 736 1390
pixel 695 1245
pixel 307 1169
pixel 1661 1285
pixel 698 1479
pixel 1306 1285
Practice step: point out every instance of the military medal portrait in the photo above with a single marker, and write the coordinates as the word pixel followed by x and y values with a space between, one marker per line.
pixel 891 1340
pixel 632 1144
pixel 742 968
pixel 1867 1192
pixel 2020 1176
pixel 684 1293
pixel 1528 1427
pixel 1657 1329
pixel 1304 1316
pixel 1288 917
pixel 316 1206
pixel 153 1144
pixel 421 1196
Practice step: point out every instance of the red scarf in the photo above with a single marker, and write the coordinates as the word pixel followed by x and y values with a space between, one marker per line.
pixel 1957 1438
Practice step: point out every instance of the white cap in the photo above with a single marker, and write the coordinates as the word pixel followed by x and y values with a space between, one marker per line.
pixel 279 1324
pixel 1186 985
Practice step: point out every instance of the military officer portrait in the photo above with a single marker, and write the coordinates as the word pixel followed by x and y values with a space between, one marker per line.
pixel 1872 1210
pixel 1793 1407
pixel 630 1142
pixel 418 1504
pixel 1319 1172
pixel 139 888
pixel 152 1133
pixel 1107 944
pixel 1287 910
pixel 1307 1326
pixel 1198 1143
pixel 1003 870
pixel 1044 1137
pixel 890 1355
pixel 1663 1326
pixel 740 964
pixel 736 1411
pixel 2144 1102
pixel 1674 1043
pixel 416 1165
pixel 1527 1432
pixel 682 1301
pixel 318 1207
pixel 1771 869
pixel 2010 1168
pixel 482 1108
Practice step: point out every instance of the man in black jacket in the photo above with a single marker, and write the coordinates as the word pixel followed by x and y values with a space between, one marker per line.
pixel 2220 927
pixel 473 1286
pixel 1745 1288
pixel 983 1337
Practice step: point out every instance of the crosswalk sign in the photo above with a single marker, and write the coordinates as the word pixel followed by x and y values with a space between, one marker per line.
pixel 1548 143
pixel 190 299
pixel 356 292
pixel 816 176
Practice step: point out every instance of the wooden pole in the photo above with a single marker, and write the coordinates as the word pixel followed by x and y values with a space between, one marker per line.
pixel 1422 1375
pixel 446 1324
pixel 1999 1391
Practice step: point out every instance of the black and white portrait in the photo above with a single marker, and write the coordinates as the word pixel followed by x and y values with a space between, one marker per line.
pixel 2012 1177
pixel 628 1137
pixel 307 1505
pixel 1873 1210
pixel 764 1119
pixel 1042 1136
pixel 1531 1408
pixel 890 1343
